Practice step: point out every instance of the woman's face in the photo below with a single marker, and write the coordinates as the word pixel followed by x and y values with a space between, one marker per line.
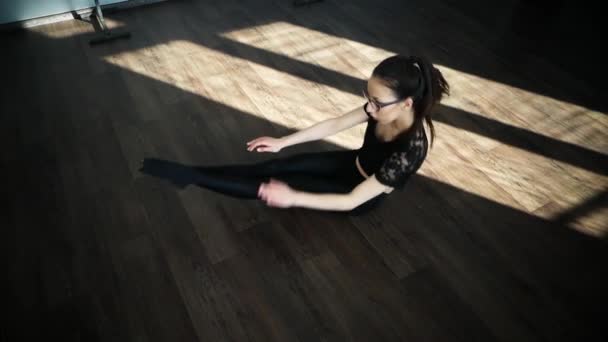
pixel 383 105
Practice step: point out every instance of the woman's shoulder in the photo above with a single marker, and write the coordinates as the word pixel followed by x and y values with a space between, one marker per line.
pixel 415 137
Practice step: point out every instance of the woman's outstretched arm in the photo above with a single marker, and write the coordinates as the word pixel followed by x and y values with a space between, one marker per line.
pixel 317 131
pixel 279 194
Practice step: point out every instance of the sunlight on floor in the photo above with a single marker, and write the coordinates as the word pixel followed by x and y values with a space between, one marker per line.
pixel 241 84
pixel 594 223
pixel 568 122
pixel 469 92
pixel 314 47
pixel 513 177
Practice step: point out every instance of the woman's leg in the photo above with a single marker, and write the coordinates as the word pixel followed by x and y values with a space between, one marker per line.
pixel 314 163
pixel 317 173
pixel 308 170
pixel 182 175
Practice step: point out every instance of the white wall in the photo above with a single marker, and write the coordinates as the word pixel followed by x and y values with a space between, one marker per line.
pixel 18 10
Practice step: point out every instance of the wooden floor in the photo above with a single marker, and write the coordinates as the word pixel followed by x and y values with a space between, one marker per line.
pixel 501 236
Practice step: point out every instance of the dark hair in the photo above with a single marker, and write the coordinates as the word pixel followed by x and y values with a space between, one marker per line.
pixel 416 77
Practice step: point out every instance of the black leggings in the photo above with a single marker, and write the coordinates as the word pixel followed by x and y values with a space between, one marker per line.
pixel 319 172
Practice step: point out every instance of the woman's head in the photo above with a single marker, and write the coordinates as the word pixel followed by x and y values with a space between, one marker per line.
pixel 401 85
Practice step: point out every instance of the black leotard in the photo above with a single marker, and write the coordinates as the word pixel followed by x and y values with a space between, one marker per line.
pixel 395 161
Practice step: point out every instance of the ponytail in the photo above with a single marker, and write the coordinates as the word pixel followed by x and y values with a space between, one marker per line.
pixel 434 86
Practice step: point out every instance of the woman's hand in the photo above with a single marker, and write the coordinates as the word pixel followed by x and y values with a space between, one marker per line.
pixel 277 194
pixel 265 144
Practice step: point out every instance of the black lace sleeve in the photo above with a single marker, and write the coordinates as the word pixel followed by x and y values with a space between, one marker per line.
pixel 400 165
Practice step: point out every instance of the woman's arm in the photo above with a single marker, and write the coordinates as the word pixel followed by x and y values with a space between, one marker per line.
pixel 278 194
pixel 317 131
pixel 326 128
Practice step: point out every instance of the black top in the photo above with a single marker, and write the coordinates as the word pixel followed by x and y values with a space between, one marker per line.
pixel 392 162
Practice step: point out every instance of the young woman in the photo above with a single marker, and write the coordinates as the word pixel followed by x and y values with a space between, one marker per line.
pixel 400 94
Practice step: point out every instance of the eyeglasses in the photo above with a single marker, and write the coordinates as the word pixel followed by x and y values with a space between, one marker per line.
pixel 377 105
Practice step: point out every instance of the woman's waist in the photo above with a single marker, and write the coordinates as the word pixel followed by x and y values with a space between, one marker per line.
pixel 360 168
pixel 364 174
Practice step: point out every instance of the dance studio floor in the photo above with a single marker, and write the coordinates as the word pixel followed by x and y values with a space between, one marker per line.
pixel 501 236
